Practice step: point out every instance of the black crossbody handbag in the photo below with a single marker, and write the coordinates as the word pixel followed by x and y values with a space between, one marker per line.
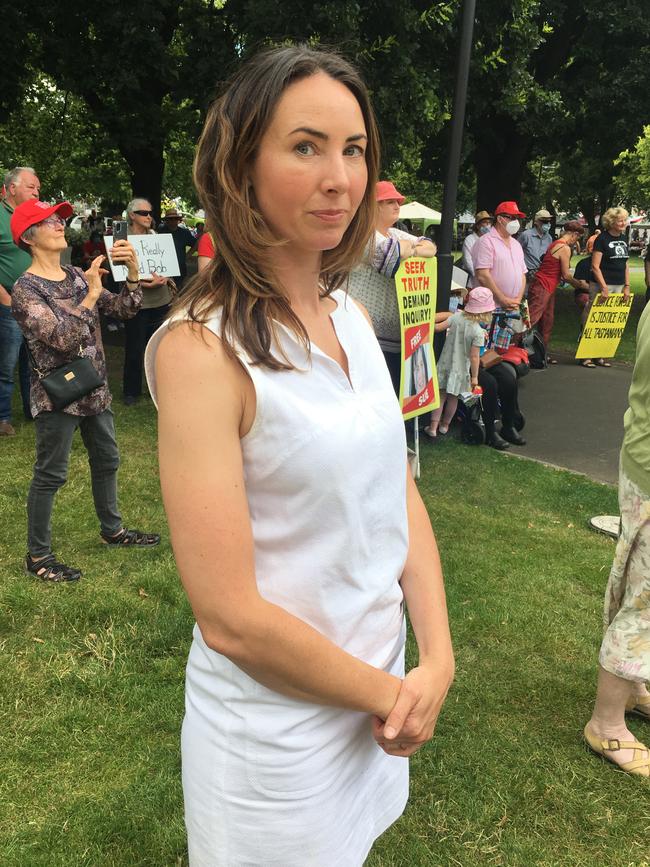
pixel 67 383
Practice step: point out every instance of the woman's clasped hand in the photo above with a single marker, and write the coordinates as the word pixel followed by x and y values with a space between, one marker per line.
pixel 412 721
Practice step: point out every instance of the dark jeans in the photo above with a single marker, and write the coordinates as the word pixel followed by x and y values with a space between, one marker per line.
pixel 499 383
pixel 138 331
pixel 54 433
pixel 12 353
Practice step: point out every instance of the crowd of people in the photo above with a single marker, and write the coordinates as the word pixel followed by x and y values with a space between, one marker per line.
pixel 298 531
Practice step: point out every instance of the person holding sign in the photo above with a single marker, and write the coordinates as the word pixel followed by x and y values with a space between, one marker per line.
pixel 298 531
pixel 57 308
pixel 156 298
pixel 624 670
pixel 609 266
pixel 372 282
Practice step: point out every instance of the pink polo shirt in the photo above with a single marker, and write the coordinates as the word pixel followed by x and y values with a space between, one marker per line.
pixel 505 261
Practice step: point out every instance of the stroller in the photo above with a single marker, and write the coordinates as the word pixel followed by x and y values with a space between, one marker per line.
pixel 470 405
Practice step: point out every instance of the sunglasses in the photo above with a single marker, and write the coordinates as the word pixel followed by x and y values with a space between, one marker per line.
pixel 143 213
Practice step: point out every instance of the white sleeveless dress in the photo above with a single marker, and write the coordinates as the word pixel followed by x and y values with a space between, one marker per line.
pixel 269 780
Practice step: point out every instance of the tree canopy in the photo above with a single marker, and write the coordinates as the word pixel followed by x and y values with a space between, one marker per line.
pixel 108 100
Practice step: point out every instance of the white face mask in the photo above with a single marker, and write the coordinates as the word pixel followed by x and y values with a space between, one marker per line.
pixel 512 227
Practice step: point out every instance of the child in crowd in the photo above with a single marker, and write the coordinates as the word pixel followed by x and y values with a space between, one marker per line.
pixel 458 366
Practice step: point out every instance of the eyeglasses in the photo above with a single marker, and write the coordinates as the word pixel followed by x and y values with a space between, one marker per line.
pixel 143 213
pixel 54 220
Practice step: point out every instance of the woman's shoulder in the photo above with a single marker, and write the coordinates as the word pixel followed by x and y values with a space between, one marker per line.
pixel 75 272
pixel 350 305
pixel 401 234
pixel 194 349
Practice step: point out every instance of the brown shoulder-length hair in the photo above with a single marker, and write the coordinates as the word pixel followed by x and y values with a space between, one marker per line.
pixel 237 279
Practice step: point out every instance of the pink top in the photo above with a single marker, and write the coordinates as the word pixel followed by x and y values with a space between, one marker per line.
pixel 505 259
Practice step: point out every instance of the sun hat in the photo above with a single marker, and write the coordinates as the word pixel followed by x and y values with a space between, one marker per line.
pixel 543 215
pixel 482 215
pixel 34 211
pixel 508 208
pixel 385 191
pixel 173 212
pixel 480 300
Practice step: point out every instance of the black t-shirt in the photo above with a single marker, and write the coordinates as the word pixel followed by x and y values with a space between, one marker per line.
pixel 582 271
pixel 614 259
pixel 182 239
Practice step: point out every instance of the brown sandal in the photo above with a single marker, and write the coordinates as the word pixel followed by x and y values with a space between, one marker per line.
pixel 639 766
pixel 639 706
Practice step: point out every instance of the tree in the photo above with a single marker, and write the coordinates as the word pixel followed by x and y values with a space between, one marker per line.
pixel 55 132
pixel 135 66
pixel 633 173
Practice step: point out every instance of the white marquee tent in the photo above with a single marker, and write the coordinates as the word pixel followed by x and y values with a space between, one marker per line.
pixel 416 211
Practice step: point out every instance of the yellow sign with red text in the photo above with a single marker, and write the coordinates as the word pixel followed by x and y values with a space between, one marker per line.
pixel 605 326
pixel 416 286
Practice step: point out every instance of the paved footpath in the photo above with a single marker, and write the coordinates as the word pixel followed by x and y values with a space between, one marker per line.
pixel 574 416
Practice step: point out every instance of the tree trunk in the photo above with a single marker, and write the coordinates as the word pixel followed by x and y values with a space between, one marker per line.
pixel 589 213
pixel 500 163
pixel 146 166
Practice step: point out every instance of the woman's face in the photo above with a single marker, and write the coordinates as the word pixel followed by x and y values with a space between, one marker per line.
pixel 387 212
pixel 310 173
pixel 50 234
pixel 419 372
pixel 141 222
pixel 618 226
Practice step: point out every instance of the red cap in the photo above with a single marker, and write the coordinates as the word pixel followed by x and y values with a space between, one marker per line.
pixel 34 211
pixel 385 191
pixel 508 208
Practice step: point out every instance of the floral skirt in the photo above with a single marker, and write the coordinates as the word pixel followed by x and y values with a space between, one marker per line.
pixel 625 650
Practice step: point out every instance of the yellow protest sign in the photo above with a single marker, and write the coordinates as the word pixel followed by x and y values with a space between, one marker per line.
pixel 416 285
pixel 605 326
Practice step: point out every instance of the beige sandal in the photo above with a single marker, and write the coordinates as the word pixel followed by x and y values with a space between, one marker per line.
pixel 639 706
pixel 638 766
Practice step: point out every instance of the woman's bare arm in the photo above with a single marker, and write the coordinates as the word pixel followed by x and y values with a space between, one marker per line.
pixel 412 721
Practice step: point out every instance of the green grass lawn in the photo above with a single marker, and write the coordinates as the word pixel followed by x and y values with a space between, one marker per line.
pixel 92 675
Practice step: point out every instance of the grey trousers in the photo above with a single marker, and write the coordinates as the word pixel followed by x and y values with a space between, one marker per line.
pixel 54 433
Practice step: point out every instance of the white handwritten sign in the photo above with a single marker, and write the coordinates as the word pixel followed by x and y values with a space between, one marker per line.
pixel 156 255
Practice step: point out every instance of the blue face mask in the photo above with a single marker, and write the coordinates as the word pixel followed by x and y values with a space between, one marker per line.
pixel 484 230
pixel 545 227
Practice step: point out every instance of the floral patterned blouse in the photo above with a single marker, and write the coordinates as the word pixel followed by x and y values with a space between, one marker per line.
pixel 56 327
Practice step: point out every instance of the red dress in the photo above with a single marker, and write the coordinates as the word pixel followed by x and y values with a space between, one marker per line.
pixel 541 295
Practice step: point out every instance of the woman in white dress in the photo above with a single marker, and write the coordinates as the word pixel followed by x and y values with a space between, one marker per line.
pixel 297 531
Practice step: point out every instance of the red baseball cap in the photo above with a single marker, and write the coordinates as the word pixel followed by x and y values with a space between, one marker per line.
pixel 508 208
pixel 34 211
pixel 385 191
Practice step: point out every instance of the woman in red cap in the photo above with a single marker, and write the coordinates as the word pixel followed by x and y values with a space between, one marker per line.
pixel 57 308
pixel 372 282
